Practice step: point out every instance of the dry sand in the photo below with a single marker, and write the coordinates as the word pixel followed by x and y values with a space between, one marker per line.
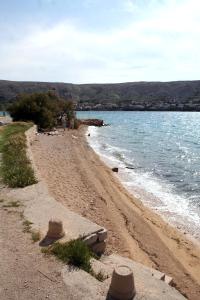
pixel 77 177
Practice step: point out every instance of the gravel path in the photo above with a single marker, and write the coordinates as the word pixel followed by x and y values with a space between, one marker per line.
pixel 25 273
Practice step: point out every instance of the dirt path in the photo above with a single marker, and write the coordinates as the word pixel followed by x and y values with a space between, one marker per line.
pixel 25 274
pixel 77 178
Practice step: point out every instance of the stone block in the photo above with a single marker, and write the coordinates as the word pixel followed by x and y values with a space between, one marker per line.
pixel 102 235
pixel 168 279
pixel 91 239
pixel 99 248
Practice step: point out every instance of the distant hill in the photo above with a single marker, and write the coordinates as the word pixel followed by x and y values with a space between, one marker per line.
pixel 177 95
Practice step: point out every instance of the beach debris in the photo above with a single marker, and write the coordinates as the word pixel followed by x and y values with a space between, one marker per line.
pixel 53 280
pixel 53 132
pixel 122 285
pixel 88 134
pixel 115 169
pixel 74 137
pixel 55 230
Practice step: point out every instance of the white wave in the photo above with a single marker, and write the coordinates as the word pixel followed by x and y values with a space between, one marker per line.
pixel 93 131
pixel 151 191
pixel 160 195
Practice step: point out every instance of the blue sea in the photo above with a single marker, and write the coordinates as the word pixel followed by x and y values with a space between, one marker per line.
pixel 158 155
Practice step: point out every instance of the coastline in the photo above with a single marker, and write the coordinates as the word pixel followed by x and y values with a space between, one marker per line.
pixel 149 200
pixel 77 177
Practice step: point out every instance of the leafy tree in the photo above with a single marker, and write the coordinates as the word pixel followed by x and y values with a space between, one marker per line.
pixel 41 108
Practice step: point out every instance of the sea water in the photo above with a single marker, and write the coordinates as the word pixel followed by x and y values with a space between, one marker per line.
pixel 158 155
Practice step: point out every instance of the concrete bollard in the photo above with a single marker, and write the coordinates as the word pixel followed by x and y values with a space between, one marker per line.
pixel 55 230
pixel 122 285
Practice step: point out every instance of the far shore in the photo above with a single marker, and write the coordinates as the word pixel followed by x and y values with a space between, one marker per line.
pixel 77 177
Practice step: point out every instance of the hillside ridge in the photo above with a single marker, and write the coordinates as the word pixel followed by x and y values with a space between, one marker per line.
pixel 142 95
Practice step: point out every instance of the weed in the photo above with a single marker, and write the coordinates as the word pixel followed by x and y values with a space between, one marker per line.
pixel 100 276
pixel 45 250
pixel 35 235
pixel 75 253
pixel 1 200
pixel 12 204
pixel 27 226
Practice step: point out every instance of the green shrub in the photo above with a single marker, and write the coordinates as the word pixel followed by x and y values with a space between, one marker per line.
pixel 11 129
pixel 75 253
pixel 41 108
pixel 18 175
pixel 16 169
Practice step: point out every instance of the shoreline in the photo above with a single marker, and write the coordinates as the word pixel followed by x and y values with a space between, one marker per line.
pixel 141 194
pixel 77 177
pixel 153 192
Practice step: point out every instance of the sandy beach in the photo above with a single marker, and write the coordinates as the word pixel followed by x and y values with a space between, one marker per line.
pixel 77 178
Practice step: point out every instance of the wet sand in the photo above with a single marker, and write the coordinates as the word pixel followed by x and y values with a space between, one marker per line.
pixel 77 177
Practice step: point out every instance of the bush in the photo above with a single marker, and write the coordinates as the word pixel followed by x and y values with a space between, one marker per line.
pixel 75 253
pixel 41 108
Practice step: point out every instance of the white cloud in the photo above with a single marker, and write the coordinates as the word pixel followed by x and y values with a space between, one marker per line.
pixel 163 44
pixel 129 6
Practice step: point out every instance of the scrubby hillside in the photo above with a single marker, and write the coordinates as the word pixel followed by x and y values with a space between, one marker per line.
pixel 179 95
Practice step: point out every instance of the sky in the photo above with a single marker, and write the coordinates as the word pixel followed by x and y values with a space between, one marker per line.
pixel 99 41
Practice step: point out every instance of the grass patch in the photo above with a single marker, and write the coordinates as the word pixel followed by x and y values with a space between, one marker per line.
pixel 11 129
pixel 45 250
pixel 16 169
pixel 75 253
pixel 27 226
pixel 12 204
pixel 35 235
